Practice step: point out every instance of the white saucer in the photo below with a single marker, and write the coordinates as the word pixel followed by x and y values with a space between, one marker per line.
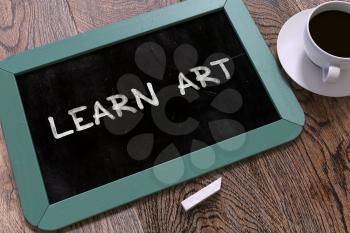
pixel 290 49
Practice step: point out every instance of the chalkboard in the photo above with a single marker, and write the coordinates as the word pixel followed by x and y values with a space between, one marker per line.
pixel 103 111
pixel 179 124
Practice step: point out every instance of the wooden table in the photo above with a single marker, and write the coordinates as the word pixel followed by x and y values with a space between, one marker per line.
pixel 303 186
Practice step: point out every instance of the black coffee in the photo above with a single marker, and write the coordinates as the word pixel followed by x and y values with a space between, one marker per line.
pixel 331 32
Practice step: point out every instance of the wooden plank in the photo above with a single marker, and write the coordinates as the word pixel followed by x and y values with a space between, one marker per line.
pixel 29 24
pixel 90 14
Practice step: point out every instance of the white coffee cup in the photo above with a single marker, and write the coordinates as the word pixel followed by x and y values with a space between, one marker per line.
pixel 331 65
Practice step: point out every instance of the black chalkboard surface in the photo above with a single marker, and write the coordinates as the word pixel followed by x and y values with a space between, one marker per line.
pixel 227 102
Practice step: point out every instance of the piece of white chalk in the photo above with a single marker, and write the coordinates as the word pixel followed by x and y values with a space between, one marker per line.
pixel 201 195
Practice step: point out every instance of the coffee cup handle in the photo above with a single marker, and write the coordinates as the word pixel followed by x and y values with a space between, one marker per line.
pixel 331 74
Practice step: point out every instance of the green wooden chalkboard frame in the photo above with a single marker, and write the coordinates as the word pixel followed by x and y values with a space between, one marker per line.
pixel 29 182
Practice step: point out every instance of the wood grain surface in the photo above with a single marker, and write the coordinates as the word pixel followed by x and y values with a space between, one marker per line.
pixel 303 186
